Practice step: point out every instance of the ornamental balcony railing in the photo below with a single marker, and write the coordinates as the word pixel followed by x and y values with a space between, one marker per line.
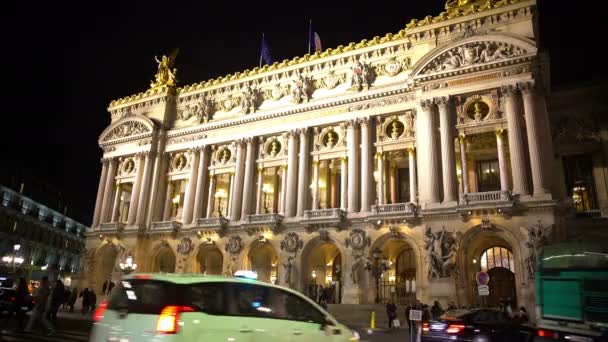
pixel 406 209
pixel 165 227
pixel 473 198
pixel 324 214
pixel 112 227
pixel 212 222
pixel 263 219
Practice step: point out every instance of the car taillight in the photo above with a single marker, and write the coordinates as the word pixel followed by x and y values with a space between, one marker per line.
pixel 101 309
pixel 169 318
pixel 454 328
pixel 547 334
pixel 13 299
pixel 425 327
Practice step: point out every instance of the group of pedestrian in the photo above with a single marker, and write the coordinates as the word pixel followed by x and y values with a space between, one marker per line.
pixel 89 300
pixel 107 287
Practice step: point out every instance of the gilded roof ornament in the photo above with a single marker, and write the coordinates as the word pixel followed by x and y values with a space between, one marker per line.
pixel 165 75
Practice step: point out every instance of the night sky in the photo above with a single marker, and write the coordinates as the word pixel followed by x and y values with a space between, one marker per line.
pixel 66 63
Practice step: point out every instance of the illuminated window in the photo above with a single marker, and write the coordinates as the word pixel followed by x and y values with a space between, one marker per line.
pixel 497 257
pixel 578 171
pixel 488 175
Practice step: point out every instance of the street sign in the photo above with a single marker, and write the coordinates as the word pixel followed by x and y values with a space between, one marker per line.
pixel 484 290
pixel 415 315
pixel 483 278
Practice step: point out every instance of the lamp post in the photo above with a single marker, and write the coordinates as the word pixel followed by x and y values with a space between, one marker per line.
pixel 266 188
pixel 220 194
pixel 378 267
pixel 13 258
pixel 128 266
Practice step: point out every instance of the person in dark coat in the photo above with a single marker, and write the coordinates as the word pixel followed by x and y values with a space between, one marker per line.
pixel 21 300
pixel 436 310
pixel 72 299
pixel 86 300
pixel 57 298
pixel 391 313
pixel 110 287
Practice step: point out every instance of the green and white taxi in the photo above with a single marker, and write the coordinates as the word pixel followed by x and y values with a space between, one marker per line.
pixel 194 307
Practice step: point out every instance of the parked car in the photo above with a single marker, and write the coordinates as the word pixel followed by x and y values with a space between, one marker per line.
pixel 477 325
pixel 194 307
pixel 8 299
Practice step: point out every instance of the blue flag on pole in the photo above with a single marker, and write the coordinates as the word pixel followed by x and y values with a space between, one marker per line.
pixel 314 41
pixel 265 53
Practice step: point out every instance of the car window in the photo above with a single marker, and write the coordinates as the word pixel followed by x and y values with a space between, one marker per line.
pixel 489 317
pixel 209 298
pixel 263 301
pixel 143 296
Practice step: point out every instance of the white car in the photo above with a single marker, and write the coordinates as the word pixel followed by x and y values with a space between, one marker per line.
pixel 193 307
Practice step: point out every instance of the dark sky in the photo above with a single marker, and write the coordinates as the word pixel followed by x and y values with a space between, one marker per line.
pixel 66 63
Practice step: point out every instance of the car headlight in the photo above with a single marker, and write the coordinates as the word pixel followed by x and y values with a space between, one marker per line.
pixel 356 336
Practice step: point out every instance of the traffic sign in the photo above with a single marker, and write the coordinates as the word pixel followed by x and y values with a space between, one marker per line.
pixel 484 290
pixel 415 315
pixel 483 278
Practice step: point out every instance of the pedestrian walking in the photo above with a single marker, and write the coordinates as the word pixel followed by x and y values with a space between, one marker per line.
pixel 41 309
pixel 391 313
pixel 72 299
pixel 57 298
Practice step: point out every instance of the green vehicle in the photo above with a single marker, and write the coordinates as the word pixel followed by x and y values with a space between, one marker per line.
pixel 192 307
pixel 572 292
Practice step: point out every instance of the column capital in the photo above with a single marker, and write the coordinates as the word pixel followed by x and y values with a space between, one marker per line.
pixel 527 88
pixel 365 121
pixel 379 155
pixel 260 168
pixel 508 90
pixel 344 159
pixel 426 104
pixel 302 131
pixel 352 123
pixel 411 149
pixel 499 132
pixel 315 163
pixel 462 138
pixel 106 160
pixel 239 142
pixel 142 154
pixel 442 100
pixel 249 140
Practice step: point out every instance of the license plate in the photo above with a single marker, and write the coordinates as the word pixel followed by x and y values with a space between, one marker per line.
pixel 578 338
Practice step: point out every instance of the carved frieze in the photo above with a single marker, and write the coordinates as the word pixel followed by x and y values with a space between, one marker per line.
pixel 234 245
pixel 358 240
pixel 361 76
pixel 127 129
pixel 441 249
pixel 291 243
pixel 301 89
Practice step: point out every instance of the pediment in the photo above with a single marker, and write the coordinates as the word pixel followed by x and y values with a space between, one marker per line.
pixel 128 127
pixel 480 50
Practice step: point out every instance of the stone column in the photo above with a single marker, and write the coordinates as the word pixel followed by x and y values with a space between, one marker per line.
pixel 343 183
pixel 191 187
pixel 315 185
pixel 116 206
pixel 199 198
pixel 275 191
pixel 366 165
pixel 136 190
pixel 158 179
pixel 303 187
pixel 332 181
pixel 107 193
pixel 353 177
pixel 463 164
pixel 533 129
pixel 516 142
pixel 412 163
pixel 168 201
pixel 100 191
pixel 292 168
pixel 426 141
pixel 145 190
pixel 380 158
pixel 249 177
pixel 392 182
pixel 230 196
pixel 447 150
pixel 283 189
pixel 238 182
pixel 210 196
pixel 502 163
pixel 259 193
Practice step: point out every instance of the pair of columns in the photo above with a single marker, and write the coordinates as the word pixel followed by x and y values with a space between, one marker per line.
pixel 380 157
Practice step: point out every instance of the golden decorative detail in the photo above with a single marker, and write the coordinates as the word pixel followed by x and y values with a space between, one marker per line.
pixel 165 76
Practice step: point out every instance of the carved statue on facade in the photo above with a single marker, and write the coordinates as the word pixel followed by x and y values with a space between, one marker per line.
pixel 360 76
pixel 249 99
pixel 537 238
pixel 470 54
pixel 408 128
pixel 165 75
pixel 206 109
pixel 288 267
pixel 441 251
pixel 359 263
pixel 301 89
pixel 450 4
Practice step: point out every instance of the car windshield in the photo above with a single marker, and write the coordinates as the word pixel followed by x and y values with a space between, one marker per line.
pixel 451 315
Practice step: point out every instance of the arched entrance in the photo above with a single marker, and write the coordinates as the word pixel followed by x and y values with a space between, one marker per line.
pixel 399 281
pixel 210 259
pixel 106 260
pixel 499 263
pixel 322 271
pixel 165 260
pixel 263 259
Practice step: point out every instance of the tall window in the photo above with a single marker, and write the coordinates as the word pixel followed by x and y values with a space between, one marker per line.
pixel 488 175
pixel 177 198
pixel 497 257
pixel 578 171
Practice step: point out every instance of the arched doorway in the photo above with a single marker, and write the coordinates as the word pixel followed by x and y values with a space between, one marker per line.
pixel 322 272
pixel 106 260
pixel 263 259
pixel 399 281
pixel 165 260
pixel 499 263
pixel 210 259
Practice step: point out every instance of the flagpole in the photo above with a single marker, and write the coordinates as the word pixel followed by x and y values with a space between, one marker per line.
pixel 261 50
pixel 309 34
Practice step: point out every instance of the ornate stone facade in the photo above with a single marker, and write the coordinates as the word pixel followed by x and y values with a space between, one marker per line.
pixel 303 169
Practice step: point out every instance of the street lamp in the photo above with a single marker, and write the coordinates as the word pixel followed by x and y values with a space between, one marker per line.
pixel 266 189
pixel 377 268
pixel 13 258
pixel 128 266
pixel 220 194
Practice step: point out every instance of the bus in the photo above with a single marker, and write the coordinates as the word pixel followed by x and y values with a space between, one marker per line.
pixel 571 283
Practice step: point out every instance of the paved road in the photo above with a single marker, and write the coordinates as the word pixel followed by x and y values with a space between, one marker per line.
pixel 69 328
pixel 401 335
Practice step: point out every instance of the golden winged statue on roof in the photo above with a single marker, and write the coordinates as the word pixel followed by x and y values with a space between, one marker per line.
pixel 165 76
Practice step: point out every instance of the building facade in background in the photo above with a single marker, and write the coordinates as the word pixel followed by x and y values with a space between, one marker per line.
pixel 424 155
pixel 36 240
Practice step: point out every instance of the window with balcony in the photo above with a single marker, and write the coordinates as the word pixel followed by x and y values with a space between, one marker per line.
pixel 488 175
pixel 177 199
